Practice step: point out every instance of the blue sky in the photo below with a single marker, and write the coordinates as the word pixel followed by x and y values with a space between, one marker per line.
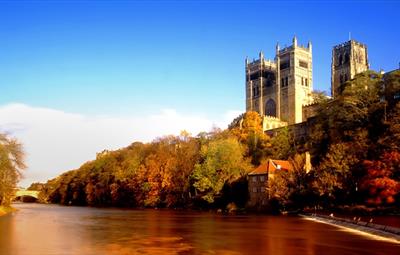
pixel 77 77
pixel 122 57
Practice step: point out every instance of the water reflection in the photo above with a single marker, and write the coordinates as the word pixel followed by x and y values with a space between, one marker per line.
pixel 41 229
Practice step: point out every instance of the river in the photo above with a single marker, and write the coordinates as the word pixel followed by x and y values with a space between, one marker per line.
pixel 50 229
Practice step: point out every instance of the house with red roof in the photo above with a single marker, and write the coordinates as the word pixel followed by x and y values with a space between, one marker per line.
pixel 258 180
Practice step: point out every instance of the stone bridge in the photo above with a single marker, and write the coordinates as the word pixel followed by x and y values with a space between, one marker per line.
pixel 26 193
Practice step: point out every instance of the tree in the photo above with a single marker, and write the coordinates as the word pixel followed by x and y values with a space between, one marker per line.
pixel 282 145
pixel 278 187
pixel 247 128
pixel 319 96
pixel 391 88
pixel 391 138
pixel 290 188
pixel 11 166
pixel 222 162
pixel 382 182
pixel 37 186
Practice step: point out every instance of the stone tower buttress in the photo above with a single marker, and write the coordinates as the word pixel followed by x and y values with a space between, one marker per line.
pixel 249 88
pixel 261 97
pixel 278 84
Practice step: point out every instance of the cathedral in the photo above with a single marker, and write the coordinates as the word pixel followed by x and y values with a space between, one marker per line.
pixel 281 90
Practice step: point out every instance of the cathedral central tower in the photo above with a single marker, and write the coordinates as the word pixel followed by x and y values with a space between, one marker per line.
pixel 279 88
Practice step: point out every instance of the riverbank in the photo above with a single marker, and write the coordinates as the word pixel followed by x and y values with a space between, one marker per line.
pixel 377 231
pixel 6 209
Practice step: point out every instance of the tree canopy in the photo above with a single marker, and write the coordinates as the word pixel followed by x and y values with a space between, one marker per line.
pixel 11 166
pixel 354 141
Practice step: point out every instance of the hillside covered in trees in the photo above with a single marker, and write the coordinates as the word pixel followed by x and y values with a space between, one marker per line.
pixel 354 143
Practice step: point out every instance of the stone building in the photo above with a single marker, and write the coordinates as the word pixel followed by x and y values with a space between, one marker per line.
pixel 289 75
pixel 279 88
pixel 259 177
pixel 348 59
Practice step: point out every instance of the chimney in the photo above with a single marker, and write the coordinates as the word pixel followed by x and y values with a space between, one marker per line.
pixel 307 165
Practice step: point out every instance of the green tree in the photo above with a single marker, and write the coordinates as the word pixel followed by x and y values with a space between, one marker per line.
pixel 222 162
pixel 282 145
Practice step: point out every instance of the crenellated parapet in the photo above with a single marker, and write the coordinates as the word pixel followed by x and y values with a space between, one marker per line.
pixel 310 104
pixel 272 122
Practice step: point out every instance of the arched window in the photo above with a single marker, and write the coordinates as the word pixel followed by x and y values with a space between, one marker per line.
pixel 270 108
pixel 340 60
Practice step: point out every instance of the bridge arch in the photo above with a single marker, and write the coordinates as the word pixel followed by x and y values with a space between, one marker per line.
pixel 26 195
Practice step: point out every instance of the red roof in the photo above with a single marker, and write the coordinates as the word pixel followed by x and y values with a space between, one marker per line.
pixel 272 165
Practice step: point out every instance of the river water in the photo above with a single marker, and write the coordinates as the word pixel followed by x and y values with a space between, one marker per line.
pixel 50 229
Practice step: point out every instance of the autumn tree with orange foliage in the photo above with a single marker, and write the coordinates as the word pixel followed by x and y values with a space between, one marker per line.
pixel 382 183
pixel 248 130
pixel 354 143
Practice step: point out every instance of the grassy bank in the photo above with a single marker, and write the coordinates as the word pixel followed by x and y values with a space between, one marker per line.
pixel 6 209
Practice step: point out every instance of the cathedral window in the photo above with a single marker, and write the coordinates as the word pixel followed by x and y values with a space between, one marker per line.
pixel 270 108
pixel 282 82
pixel 303 64
pixel 256 91
pixel 306 81
pixel 254 76
pixel 284 65
pixel 287 81
pixel 302 81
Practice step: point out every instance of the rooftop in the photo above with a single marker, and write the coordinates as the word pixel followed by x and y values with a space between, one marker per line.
pixel 348 43
pixel 271 166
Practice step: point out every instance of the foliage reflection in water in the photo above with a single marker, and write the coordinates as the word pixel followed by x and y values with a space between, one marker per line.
pixel 49 229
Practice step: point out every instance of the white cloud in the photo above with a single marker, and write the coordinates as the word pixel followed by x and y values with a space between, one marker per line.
pixel 56 141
